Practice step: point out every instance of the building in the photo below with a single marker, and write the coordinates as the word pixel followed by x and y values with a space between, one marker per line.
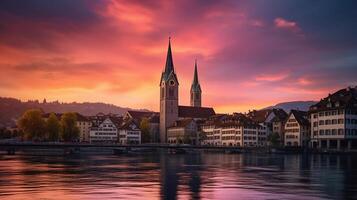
pixel 334 120
pixel 184 131
pixel 105 131
pixel 84 125
pixel 170 111
pixel 278 123
pixel 129 133
pixel 233 130
pixel 272 121
pixel 297 129
pixel 153 120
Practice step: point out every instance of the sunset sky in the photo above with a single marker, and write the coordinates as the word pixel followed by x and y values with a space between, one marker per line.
pixel 251 54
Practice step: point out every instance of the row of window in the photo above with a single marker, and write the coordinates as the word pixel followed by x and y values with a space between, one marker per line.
pixel 230 137
pixel 291 136
pixel 329 113
pixel 331 132
pixel 292 124
pixel 335 121
pixel 104 133
pixel 293 130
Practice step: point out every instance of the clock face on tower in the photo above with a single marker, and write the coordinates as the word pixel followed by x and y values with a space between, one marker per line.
pixel 172 82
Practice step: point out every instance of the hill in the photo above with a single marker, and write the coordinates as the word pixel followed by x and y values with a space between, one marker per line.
pixel 11 109
pixel 297 105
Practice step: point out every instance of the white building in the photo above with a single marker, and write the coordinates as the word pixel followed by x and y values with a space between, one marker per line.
pixel 129 133
pixel 105 132
pixel 297 132
pixel 334 120
pixel 234 130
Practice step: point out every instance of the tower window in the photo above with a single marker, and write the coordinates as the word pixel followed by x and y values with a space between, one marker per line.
pixel 171 92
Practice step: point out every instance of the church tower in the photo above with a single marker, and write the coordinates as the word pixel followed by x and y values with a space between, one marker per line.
pixel 196 90
pixel 168 96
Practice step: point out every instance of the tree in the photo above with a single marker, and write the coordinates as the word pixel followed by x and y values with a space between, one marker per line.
pixel 274 139
pixel 145 130
pixel 69 129
pixel 186 139
pixel 53 127
pixel 32 125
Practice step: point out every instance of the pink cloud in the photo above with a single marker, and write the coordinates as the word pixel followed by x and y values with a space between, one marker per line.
pixel 271 77
pixel 286 24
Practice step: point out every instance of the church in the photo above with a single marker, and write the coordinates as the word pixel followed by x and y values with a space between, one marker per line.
pixel 180 124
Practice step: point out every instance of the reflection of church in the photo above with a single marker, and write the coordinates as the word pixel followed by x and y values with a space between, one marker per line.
pixel 178 124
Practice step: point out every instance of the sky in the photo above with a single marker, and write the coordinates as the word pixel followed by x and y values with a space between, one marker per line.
pixel 250 54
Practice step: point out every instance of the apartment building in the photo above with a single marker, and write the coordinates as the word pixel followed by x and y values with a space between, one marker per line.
pixel 297 128
pixel 334 120
pixel 234 130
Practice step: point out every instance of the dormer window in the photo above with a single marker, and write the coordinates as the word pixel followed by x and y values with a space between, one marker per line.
pixel 172 82
pixel 329 105
pixel 337 104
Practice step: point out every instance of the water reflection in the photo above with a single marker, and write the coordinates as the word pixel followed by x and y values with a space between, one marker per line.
pixel 191 176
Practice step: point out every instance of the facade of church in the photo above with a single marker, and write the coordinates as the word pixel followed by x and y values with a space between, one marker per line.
pixel 172 114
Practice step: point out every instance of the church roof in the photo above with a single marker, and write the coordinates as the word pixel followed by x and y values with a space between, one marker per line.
pixel 195 112
pixel 196 87
pixel 169 66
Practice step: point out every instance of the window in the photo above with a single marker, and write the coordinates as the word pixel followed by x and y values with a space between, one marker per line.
pixel 171 92
pixel 322 132
pixel 340 131
pixel 315 124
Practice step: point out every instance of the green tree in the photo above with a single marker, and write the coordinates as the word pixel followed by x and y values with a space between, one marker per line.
pixel 53 127
pixel 186 139
pixel 145 130
pixel 69 129
pixel 32 125
pixel 274 139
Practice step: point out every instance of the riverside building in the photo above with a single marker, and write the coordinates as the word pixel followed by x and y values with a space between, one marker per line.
pixel 334 120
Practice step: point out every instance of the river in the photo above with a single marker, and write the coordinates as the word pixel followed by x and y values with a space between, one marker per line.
pixel 187 176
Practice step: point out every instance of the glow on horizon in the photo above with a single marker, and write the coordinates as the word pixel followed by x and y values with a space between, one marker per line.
pixel 114 52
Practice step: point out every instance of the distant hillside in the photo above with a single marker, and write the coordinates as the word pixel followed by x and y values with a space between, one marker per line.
pixel 11 109
pixel 297 105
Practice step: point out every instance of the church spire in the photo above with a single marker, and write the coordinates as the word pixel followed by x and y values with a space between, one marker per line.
pixel 196 91
pixel 169 66
pixel 169 62
pixel 195 83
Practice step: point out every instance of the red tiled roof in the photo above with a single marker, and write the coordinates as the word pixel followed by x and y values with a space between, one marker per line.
pixel 195 112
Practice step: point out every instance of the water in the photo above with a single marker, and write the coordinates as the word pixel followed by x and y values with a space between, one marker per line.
pixel 190 176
